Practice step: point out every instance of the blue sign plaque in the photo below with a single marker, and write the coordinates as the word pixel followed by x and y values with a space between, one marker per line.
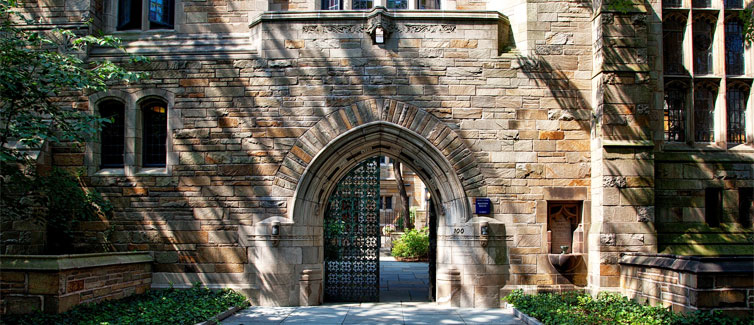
pixel 483 205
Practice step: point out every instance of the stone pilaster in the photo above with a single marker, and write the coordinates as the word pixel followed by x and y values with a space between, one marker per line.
pixel 622 147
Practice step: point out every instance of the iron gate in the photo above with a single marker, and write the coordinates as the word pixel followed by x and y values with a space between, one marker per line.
pixel 352 236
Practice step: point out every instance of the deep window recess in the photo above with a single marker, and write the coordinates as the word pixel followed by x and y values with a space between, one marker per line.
pixel 160 14
pixel 363 4
pixel 388 203
pixel 704 112
pixel 734 4
pixel 397 4
pixel 154 146
pixel 745 206
pixel 112 136
pixel 701 3
pixel 734 48
pixel 428 4
pixel 332 5
pixel 713 206
pixel 673 42
pixel 736 108
pixel 703 36
pixel 129 14
pixel 675 112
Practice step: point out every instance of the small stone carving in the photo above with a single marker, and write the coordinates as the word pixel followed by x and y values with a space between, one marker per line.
pixel 645 214
pixel 614 181
pixel 608 18
pixel 642 109
pixel 388 25
pixel 607 239
pixel 639 20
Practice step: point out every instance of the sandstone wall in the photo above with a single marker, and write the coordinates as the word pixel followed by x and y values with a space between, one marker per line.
pixel 239 117
pixel 55 284
pixel 686 284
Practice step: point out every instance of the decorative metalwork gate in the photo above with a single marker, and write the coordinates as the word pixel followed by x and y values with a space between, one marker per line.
pixel 352 236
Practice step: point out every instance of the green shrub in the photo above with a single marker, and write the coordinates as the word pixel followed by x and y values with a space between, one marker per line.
pixel 607 308
pixel 169 306
pixel 414 243
pixel 56 201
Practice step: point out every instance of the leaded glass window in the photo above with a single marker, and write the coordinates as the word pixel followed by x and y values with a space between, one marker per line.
pixel 704 112
pixel 675 113
pixel 734 4
pixel 429 4
pixel 701 3
pixel 160 14
pixel 154 146
pixel 703 35
pixel 363 4
pixel 332 5
pixel 112 137
pixel 734 48
pixel 673 43
pixel 671 3
pixel 736 108
pixel 397 4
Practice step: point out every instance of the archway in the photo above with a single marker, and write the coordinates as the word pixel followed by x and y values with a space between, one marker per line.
pixel 332 147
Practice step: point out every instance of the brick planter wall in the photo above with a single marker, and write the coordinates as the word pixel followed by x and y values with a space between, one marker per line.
pixel 688 283
pixel 56 283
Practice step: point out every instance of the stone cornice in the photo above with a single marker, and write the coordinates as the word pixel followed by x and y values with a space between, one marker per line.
pixel 693 264
pixel 73 261
pixel 281 16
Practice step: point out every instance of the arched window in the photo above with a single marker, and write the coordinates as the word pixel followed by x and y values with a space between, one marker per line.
pixel 675 112
pixel 704 112
pixel 155 127
pixel 112 136
pixel 736 97
pixel 703 35
pixel 734 47
pixel 672 39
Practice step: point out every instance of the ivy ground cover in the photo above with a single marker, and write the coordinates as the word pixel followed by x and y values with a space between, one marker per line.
pixel 608 308
pixel 171 306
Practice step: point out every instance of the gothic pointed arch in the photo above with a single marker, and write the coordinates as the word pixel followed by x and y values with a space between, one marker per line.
pixel 340 140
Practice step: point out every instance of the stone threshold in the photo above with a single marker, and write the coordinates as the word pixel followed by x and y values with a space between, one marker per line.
pixel 694 264
pixel 70 261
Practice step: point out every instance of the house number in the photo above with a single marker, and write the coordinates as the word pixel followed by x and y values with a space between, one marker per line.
pixel 457 231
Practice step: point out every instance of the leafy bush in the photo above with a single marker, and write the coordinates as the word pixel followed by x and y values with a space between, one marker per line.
pixel 581 308
pixel 169 306
pixel 414 243
pixel 56 201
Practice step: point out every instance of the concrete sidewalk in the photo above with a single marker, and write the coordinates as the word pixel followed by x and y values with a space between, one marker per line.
pixel 404 299
pixel 372 313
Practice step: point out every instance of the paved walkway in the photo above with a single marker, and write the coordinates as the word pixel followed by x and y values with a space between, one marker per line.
pixel 404 292
pixel 403 281
pixel 372 313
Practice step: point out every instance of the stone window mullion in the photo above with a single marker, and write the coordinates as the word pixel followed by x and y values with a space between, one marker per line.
pixel 690 130
pixel 721 113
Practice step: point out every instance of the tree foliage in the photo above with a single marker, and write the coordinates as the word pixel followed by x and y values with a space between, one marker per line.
pixel 36 68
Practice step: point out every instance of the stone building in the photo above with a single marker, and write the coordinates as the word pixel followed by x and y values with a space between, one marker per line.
pixel 605 129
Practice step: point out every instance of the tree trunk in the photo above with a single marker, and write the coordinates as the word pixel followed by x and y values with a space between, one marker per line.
pixel 404 210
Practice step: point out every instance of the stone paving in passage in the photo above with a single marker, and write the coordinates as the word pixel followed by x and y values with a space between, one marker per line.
pixel 404 289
